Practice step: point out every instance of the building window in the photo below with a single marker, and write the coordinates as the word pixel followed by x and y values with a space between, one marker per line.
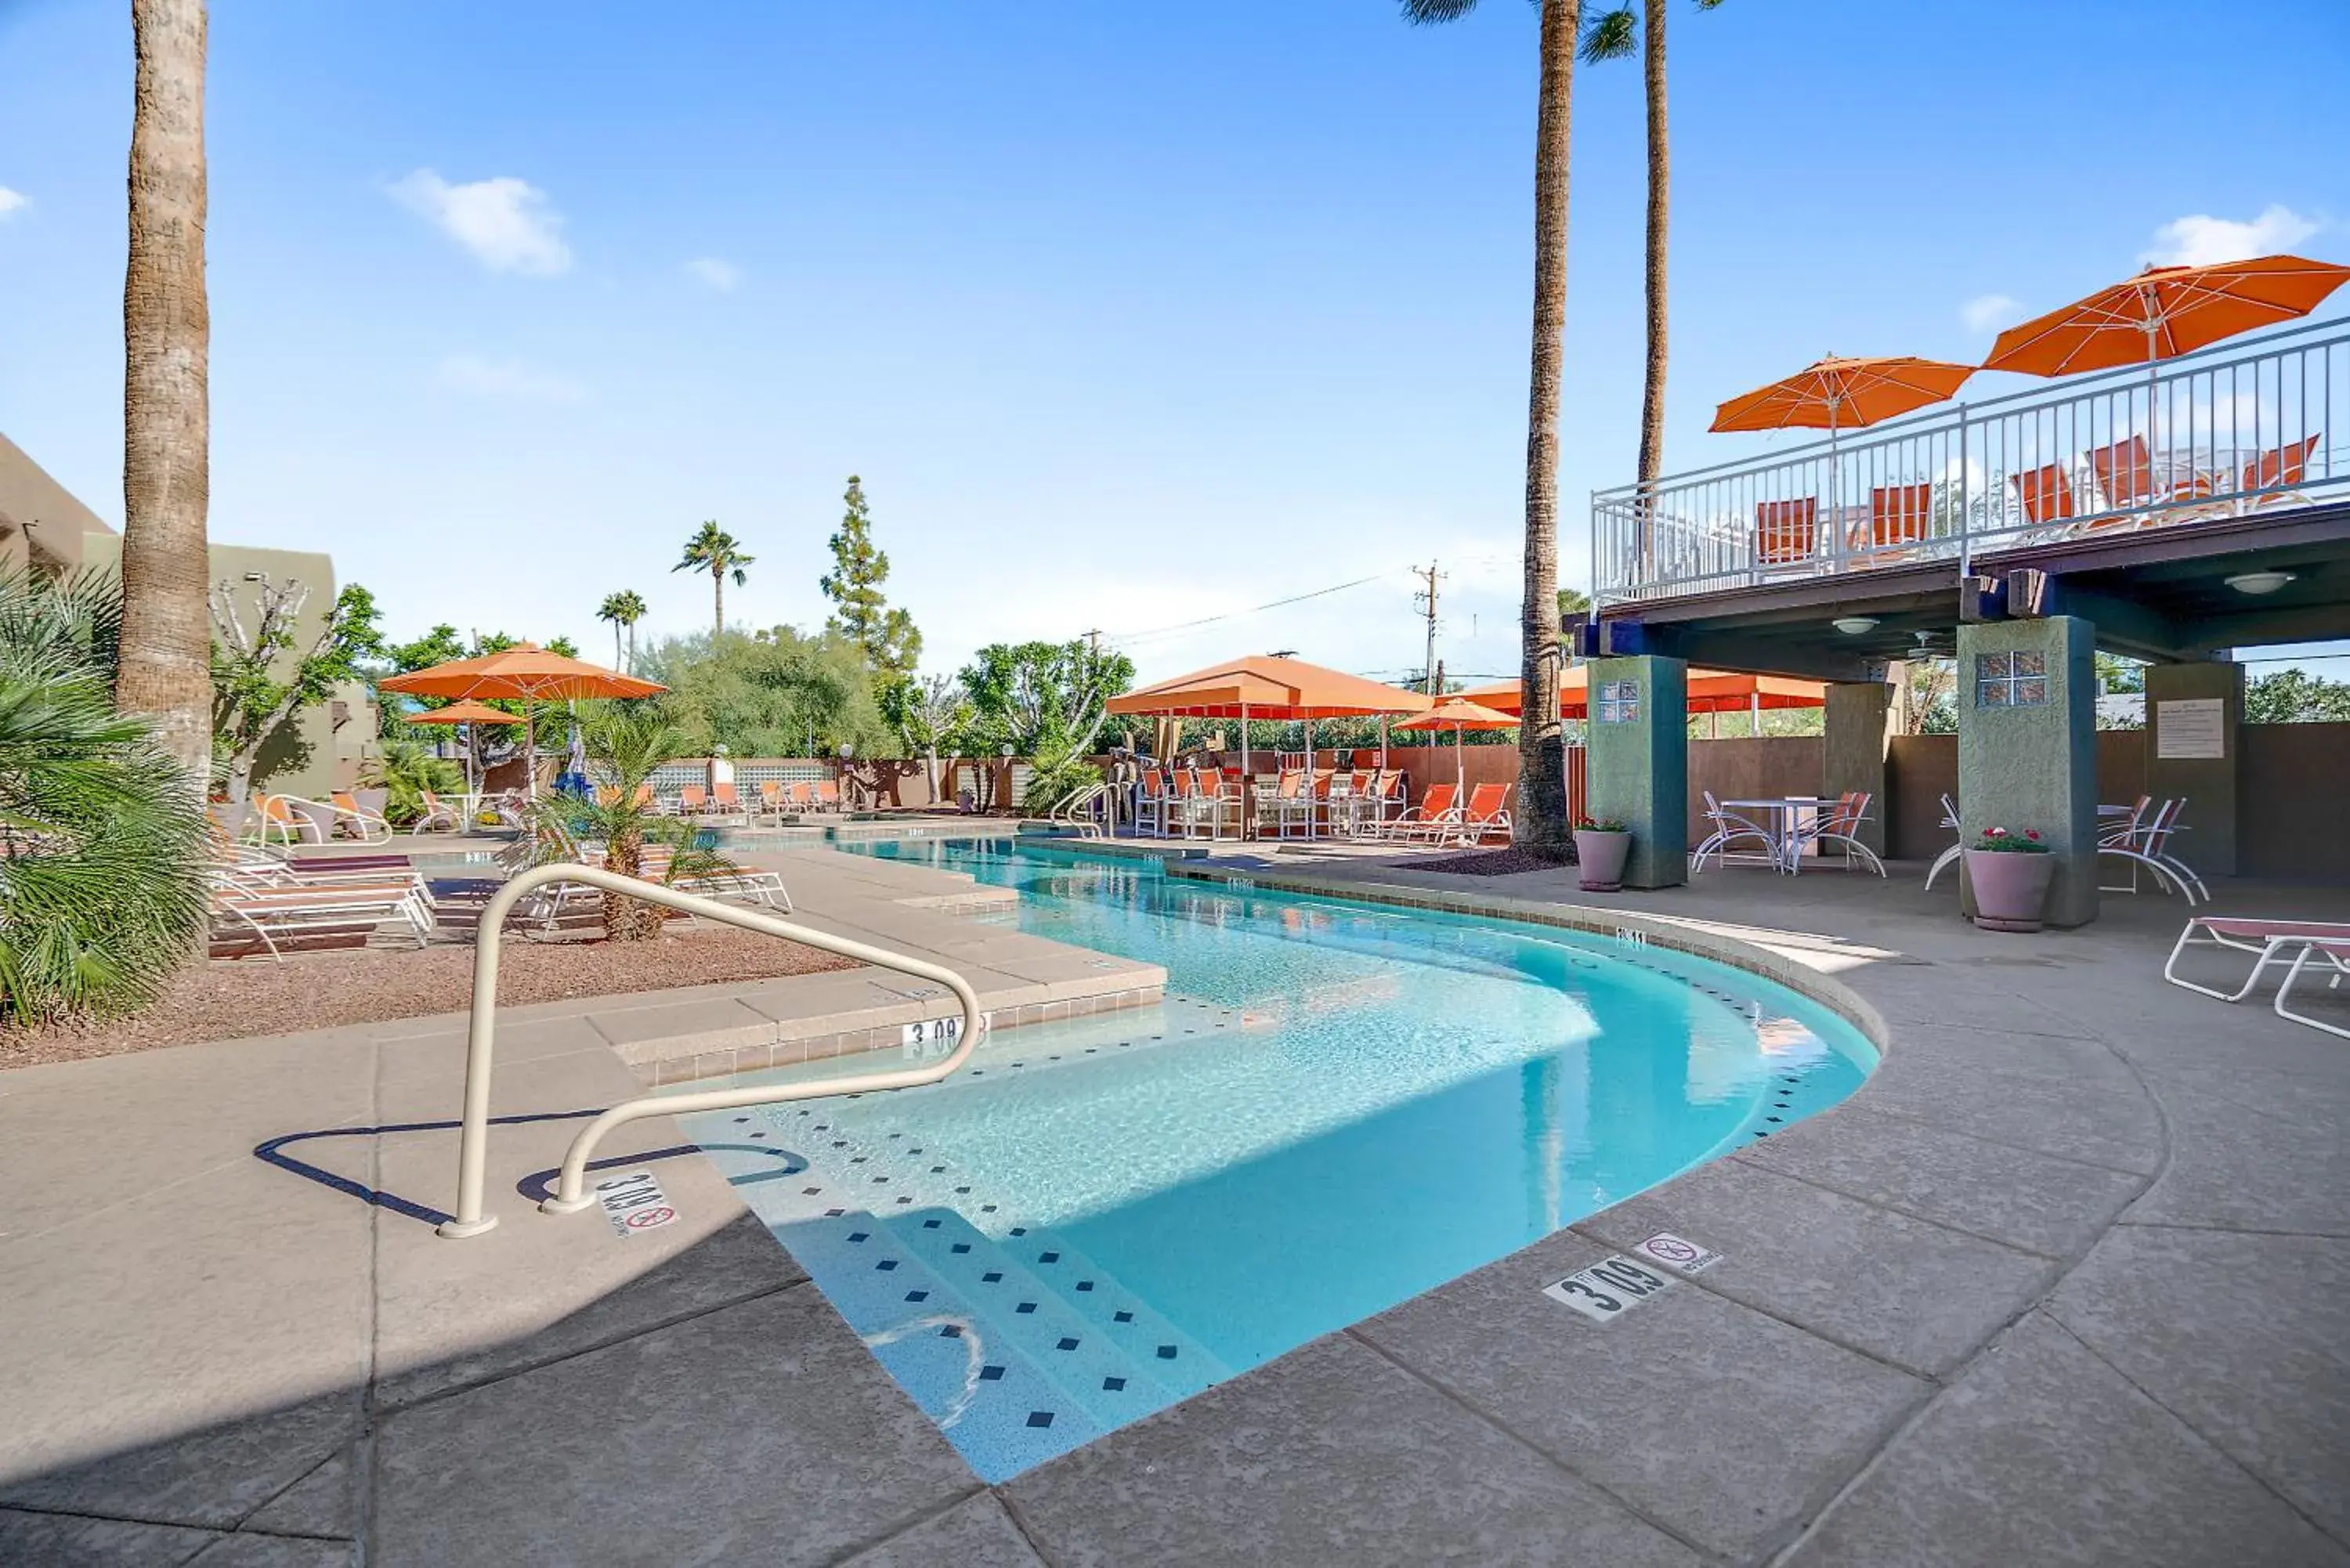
pixel 2011 680
pixel 1619 702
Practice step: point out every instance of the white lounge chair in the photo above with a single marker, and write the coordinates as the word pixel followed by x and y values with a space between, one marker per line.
pixel 270 913
pixel 1948 856
pixel 2271 942
pixel 2150 847
pixel 1730 829
pixel 2328 954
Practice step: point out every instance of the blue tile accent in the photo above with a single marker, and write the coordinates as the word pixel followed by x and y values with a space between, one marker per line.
pixel 991 1373
pixel 886 1264
pixel 1114 1384
pixel 859 1235
pixel 810 1191
pixel 951 1331
pixel 918 1295
pixel 1040 1418
pixel 1025 1307
pixel 929 1224
pixel 991 1278
pixel 1066 1342
pixel 1048 1257
pixel 1020 1230
pixel 1166 1352
pixel 960 1247
pixel 1124 1316
pixel 1084 1285
pixel 833 1213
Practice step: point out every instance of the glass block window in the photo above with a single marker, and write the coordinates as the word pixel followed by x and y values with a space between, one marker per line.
pixel 1619 702
pixel 2011 680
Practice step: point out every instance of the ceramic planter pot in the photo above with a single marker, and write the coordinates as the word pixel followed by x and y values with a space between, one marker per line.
pixel 2010 889
pixel 1601 857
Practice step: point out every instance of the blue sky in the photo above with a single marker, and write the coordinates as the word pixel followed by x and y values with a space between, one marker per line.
pixel 1127 315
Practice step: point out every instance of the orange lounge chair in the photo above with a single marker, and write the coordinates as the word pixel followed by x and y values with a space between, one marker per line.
pixel 1488 813
pixel 1786 532
pixel 1899 516
pixel 693 801
pixel 2279 469
pixel 2046 495
pixel 2124 472
pixel 1436 814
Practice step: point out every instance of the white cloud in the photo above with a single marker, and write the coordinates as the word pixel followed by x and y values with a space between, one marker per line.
pixel 12 202
pixel 505 222
pixel 1989 312
pixel 2201 240
pixel 509 380
pixel 721 276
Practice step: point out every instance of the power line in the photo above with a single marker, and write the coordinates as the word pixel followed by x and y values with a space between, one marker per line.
pixel 1127 636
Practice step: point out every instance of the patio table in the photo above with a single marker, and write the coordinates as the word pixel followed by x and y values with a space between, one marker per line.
pixel 1786 818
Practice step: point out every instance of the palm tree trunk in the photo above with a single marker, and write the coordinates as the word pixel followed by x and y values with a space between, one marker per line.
pixel 165 666
pixel 632 666
pixel 1652 391
pixel 1542 826
pixel 718 606
pixel 616 642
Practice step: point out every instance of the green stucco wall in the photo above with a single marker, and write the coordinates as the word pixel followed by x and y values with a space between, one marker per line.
pixel 2034 765
pixel 1638 766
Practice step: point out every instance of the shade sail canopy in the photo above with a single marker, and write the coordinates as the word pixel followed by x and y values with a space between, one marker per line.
pixel 1269 688
pixel 1458 712
pixel 1835 394
pixel 524 673
pixel 2166 311
pixel 465 714
pixel 1709 692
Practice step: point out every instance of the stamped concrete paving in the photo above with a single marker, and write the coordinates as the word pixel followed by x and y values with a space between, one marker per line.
pixel 2065 1282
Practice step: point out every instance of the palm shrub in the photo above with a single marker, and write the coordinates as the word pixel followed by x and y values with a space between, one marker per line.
pixel 104 849
pixel 625 749
pixel 405 771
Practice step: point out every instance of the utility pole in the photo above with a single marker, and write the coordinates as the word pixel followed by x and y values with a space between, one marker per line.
pixel 1426 598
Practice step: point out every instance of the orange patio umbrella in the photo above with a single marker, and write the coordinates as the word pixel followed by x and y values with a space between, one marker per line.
pixel 1834 394
pixel 525 673
pixel 1709 692
pixel 1457 713
pixel 2166 311
pixel 1267 687
pixel 468 714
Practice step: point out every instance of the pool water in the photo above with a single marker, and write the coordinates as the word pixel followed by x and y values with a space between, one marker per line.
pixel 1338 1107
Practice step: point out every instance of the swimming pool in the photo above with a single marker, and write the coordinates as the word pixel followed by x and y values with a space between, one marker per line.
pixel 1338 1107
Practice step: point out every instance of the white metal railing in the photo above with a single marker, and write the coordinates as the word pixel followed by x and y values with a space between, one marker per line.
pixel 2237 429
pixel 1083 811
pixel 570 1194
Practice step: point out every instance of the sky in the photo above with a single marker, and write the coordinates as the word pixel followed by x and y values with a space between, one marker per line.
pixel 1131 318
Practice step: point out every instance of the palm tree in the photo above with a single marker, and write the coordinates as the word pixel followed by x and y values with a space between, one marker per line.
pixel 1610 38
pixel 166 660
pixel 1542 825
pixel 624 609
pixel 717 552
pixel 625 749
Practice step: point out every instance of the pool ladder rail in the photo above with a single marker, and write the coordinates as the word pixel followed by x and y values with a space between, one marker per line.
pixel 1076 813
pixel 570 1194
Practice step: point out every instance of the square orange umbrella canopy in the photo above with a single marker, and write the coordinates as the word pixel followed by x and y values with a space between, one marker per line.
pixel 2166 311
pixel 1269 688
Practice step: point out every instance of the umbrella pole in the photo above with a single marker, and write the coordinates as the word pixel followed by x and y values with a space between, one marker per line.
pixel 529 750
pixel 1247 805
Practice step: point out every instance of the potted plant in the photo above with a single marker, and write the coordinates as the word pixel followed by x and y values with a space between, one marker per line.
pixel 1601 847
pixel 2008 873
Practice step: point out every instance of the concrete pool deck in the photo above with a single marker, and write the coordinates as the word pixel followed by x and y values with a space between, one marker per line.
pixel 2068 1280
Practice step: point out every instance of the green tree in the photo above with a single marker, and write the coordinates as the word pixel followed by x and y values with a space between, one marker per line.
pixel 776 693
pixel 888 636
pixel 262 682
pixel 1541 820
pixel 623 609
pixel 930 715
pixel 2294 697
pixel 719 553
pixel 1043 699
pixel 163 668
pixel 1613 35
pixel 104 866
pixel 626 744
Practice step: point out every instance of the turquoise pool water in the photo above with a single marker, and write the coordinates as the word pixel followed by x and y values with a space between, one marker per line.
pixel 1338 1107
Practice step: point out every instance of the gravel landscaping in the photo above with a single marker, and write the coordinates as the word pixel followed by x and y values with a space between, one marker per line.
pixel 229 999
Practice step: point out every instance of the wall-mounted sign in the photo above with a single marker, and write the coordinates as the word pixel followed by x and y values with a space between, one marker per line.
pixel 2191 727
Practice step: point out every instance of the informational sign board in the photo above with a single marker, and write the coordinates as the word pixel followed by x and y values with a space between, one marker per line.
pixel 634 1202
pixel 1605 1291
pixel 2191 727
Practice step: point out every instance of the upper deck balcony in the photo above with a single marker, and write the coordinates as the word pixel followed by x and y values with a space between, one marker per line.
pixel 2243 430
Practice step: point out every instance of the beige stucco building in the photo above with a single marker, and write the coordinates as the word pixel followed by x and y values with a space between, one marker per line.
pixel 46 527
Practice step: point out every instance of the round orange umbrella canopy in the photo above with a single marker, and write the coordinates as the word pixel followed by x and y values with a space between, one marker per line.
pixel 2166 311
pixel 1709 692
pixel 1458 712
pixel 465 714
pixel 525 673
pixel 1835 394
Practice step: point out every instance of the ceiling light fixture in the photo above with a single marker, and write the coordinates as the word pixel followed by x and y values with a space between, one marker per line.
pixel 1856 625
pixel 2258 582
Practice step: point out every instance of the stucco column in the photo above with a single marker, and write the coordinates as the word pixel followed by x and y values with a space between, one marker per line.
pixel 2191 713
pixel 1857 735
pixel 1638 761
pixel 2027 747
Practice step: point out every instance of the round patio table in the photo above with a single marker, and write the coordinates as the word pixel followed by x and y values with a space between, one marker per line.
pixel 1786 818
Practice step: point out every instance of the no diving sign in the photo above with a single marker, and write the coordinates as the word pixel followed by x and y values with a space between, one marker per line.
pixel 1676 1252
pixel 634 1202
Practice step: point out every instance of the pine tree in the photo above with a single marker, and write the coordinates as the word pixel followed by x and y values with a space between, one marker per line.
pixel 888 636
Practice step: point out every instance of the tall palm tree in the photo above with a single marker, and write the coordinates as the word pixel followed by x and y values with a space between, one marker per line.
pixel 165 669
pixel 1611 35
pixel 1542 823
pixel 717 552
pixel 624 609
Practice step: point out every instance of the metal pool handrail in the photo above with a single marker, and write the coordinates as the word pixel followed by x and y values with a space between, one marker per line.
pixel 570 1193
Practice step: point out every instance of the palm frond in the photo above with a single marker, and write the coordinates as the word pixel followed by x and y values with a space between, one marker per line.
pixel 1612 35
pixel 1421 13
